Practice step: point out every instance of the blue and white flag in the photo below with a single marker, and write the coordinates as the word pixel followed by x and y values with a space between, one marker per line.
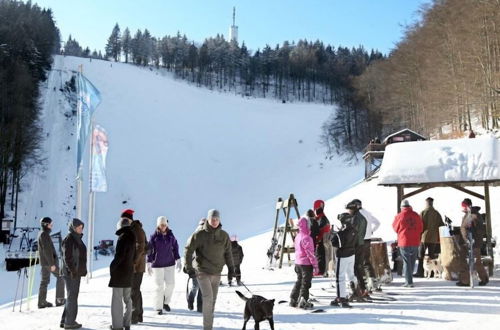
pixel 99 151
pixel 88 100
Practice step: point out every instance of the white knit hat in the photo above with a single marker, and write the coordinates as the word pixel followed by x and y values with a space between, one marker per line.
pixel 161 220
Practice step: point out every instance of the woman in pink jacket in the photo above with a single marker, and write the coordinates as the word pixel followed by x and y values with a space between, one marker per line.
pixel 305 264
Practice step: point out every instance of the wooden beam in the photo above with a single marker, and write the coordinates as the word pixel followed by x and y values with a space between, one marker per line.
pixel 418 191
pixel 467 191
pixel 400 197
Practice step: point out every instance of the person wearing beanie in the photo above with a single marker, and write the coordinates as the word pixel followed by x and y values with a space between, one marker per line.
pixel 472 227
pixel 74 268
pixel 345 240
pixel 429 241
pixel 408 225
pixel 306 264
pixel 323 229
pixel 139 269
pixel 211 248
pixel 360 224
pixel 128 213
pixel 121 270
pixel 49 264
pixel 163 259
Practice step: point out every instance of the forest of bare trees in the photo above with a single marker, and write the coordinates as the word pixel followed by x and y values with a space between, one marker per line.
pixel 443 77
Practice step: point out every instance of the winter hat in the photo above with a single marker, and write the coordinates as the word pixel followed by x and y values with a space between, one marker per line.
pixel 161 220
pixel 213 213
pixel 467 201
pixel 405 203
pixel 128 213
pixel 429 199
pixel 310 213
pixel 352 205
pixel 124 222
pixel 319 204
pixel 344 217
pixel 75 223
pixel 45 221
pixel 358 203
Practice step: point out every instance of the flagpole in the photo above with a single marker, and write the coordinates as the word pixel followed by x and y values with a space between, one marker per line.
pixel 79 169
pixel 90 242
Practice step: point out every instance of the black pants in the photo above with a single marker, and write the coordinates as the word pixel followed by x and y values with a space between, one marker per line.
pixel 359 271
pixel 320 255
pixel 303 283
pixel 432 249
pixel 235 270
pixel 136 296
pixel 42 292
pixel 195 291
pixel 71 308
pixel 367 263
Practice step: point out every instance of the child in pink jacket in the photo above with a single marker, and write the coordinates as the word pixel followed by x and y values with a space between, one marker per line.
pixel 305 264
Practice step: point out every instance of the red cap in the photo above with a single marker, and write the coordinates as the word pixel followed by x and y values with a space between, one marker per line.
pixel 128 213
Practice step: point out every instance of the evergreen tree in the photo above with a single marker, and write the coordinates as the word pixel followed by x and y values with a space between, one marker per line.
pixel 114 46
pixel 126 43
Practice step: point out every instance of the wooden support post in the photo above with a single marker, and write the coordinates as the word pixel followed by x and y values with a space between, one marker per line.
pixel 285 231
pixel 400 197
pixel 489 248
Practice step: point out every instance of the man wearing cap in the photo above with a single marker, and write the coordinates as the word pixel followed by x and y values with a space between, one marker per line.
pixel 360 224
pixel 432 220
pixel 49 264
pixel 139 265
pixel 74 268
pixel 408 225
pixel 213 250
pixel 472 223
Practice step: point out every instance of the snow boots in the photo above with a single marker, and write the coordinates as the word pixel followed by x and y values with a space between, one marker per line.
pixel 45 304
pixel 305 304
pixel 340 302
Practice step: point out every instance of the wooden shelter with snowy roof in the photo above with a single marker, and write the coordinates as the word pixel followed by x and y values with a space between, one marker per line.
pixel 374 151
pixel 456 164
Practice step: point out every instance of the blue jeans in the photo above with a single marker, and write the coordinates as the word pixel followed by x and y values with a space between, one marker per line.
pixel 409 255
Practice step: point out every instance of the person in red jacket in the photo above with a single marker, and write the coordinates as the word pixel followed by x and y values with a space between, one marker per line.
pixel 408 225
pixel 323 228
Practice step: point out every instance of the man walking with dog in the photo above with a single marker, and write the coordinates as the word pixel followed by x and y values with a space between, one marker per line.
pixel 432 220
pixel 212 248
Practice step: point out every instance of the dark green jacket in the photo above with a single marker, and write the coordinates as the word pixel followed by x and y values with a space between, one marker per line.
pixel 213 250
pixel 360 224
pixel 432 221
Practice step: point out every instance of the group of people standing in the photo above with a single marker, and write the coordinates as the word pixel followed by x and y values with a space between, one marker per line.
pixel 419 234
pixel 317 243
pixel 207 251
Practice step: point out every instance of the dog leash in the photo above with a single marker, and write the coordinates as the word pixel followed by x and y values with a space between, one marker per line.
pixel 246 288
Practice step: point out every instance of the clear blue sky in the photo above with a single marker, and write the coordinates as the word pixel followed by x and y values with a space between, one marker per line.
pixel 371 23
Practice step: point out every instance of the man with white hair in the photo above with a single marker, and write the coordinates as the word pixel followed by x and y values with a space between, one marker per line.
pixel 212 248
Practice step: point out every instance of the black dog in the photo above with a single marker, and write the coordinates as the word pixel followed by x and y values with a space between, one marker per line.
pixel 259 308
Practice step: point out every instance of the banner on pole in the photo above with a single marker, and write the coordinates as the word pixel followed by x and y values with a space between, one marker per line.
pixel 98 181
pixel 88 100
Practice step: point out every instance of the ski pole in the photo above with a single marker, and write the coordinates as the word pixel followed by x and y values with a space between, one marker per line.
pixel 22 288
pixel 17 288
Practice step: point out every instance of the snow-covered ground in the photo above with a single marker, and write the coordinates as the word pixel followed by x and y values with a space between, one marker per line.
pixel 432 304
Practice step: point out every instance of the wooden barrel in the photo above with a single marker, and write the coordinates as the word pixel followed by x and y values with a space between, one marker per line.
pixel 380 261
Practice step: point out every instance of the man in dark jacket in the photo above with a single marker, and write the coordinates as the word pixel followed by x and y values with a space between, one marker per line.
pixel 213 250
pixel 122 272
pixel 472 224
pixel 432 220
pixel 139 265
pixel 345 241
pixel 360 224
pixel 237 253
pixel 49 263
pixel 74 268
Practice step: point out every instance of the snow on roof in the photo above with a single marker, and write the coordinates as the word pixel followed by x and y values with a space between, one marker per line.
pixel 401 131
pixel 441 161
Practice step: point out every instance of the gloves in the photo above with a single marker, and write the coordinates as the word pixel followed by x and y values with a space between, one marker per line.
pixel 149 268
pixel 178 265
pixel 191 273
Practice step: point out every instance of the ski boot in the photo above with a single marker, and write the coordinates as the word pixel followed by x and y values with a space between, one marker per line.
pixel 305 304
